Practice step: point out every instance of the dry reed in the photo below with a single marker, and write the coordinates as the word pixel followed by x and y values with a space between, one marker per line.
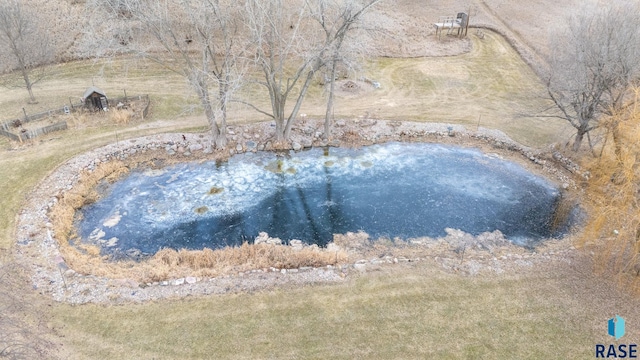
pixel 612 198
pixel 249 256
pixel 351 240
pixel 120 116
pixel 170 263
pixel 83 193
pixel 77 119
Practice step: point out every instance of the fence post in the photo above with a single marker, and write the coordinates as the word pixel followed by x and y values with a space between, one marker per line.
pixel 26 118
pixel 125 95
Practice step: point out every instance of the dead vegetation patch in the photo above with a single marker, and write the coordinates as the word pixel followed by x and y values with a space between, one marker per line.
pixel 352 138
pixel 170 264
pixel 354 88
pixel 83 193
pixel 121 116
pixel 208 262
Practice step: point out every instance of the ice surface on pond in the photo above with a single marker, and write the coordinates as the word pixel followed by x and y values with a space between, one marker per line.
pixel 396 189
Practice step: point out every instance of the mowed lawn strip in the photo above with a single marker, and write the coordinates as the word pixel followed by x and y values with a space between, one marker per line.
pixel 416 312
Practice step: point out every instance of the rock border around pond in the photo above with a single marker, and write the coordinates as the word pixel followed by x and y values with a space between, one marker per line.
pixel 37 248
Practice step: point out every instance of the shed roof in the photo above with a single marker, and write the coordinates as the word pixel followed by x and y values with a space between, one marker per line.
pixel 92 90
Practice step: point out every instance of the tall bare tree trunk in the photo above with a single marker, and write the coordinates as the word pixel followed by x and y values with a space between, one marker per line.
pixel 578 141
pixel 29 85
pixel 209 113
pixel 223 94
pixel 279 102
pixel 332 84
pixel 303 92
pixel 337 19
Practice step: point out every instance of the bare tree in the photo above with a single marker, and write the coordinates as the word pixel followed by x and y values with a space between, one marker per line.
pixel 195 39
pixel 337 18
pixel 288 52
pixel 216 26
pixel 24 43
pixel 594 64
pixel 226 51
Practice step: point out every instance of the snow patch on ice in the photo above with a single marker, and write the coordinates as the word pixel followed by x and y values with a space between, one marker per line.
pixel 113 220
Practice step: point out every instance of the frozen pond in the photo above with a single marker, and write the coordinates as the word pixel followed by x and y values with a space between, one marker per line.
pixel 395 190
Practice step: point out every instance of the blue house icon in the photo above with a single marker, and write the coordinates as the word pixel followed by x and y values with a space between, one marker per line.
pixel 616 327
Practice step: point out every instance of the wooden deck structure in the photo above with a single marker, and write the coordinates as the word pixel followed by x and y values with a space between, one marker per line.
pixel 460 22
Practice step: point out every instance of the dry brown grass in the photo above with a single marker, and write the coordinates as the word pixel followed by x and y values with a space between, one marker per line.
pixel 613 203
pixel 566 203
pixel 120 116
pixel 83 193
pixel 77 119
pixel 170 263
pixel 247 257
pixel 351 240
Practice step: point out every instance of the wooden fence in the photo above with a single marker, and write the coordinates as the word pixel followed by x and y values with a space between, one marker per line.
pixel 10 135
pixel 61 125
pixel 6 126
pixel 125 99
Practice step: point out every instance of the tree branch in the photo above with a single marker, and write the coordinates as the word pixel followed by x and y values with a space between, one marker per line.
pixel 252 106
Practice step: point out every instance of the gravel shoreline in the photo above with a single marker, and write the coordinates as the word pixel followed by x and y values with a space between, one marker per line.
pixel 37 249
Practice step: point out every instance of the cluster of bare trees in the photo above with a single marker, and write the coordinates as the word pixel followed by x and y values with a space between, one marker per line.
pixel 195 39
pixel 219 46
pixel 594 65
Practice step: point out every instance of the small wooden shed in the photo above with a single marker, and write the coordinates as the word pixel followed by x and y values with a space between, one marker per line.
pixel 95 99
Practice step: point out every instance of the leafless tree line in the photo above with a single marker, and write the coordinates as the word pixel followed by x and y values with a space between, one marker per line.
pixel 219 46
